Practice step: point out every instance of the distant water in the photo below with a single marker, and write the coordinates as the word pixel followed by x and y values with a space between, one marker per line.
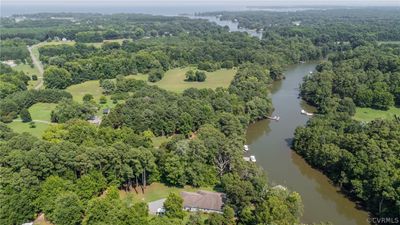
pixel 166 10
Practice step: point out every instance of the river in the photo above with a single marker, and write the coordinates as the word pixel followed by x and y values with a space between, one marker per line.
pixel 270 142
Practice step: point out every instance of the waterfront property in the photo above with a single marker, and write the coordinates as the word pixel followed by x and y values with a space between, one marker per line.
pixel 204 201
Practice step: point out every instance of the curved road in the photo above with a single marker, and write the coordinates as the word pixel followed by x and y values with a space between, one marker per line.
pixel 39 66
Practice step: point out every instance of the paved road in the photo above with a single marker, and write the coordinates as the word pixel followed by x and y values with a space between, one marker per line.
pixel 38 65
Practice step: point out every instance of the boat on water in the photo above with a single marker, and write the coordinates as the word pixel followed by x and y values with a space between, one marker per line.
pixel 245 148
pixel 277 118
pixel 306 113
pixel 253 158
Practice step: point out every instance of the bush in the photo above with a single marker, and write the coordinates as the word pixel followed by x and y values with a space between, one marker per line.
pixel 227 65
pixel 34 77
pixel 25 115
pixel 103 100
pixel 87 98
pixel 155 75
pixel 32 125
pixel 199 76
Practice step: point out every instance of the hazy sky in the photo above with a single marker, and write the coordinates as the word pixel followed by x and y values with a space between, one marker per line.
pixel 202 2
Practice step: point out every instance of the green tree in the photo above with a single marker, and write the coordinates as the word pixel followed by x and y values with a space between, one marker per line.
pixel 173 206
pixel 87 98
pixel 103 100
pixel 200 76
pixel 25 115
pixel 68 209
pixel 57 78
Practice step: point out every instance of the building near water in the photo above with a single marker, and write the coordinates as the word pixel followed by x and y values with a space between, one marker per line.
pixel 204 201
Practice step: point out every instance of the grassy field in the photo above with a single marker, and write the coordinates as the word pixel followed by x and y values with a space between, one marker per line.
pixel 28 70
pixel 156 191
pixel 39 112
pixel 174 79
pixel 90 87
pixel 368 114
pixel 20 127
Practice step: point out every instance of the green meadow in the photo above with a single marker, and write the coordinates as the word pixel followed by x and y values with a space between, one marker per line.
pixel 368 114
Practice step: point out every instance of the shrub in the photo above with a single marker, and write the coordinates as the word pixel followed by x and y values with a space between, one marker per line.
pixel 103 100
pixel 25 115
pixel 155 75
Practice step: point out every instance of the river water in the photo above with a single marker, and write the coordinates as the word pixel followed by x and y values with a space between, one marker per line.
pixel 270 142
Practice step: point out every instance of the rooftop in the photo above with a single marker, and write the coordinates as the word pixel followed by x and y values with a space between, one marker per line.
pixel 203 200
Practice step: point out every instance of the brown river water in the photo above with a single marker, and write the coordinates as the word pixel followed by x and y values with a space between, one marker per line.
pixel 270 142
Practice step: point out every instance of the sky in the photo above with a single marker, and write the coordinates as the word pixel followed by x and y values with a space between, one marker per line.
pixel 203 2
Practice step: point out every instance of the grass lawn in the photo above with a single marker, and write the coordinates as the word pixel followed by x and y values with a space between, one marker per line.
pixel 28 71
pixel 20 127
pixel 39 111
pixel 90 87
pixel 42 111
pixel 174 79
pixel 368 114
pixel 157 191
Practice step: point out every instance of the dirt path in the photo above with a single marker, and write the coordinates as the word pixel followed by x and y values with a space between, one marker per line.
pixel 38 65
pixel 36 121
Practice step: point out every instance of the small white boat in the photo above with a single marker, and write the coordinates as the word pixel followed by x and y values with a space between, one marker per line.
pixel 306 113
pixel 253 158
pixel 274 118
pixel 246 148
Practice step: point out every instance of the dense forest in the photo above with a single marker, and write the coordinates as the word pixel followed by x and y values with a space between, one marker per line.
pixel 76 170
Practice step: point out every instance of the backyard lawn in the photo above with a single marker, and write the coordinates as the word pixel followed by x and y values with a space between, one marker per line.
pixel 368 114
pixel 40 113
pixel 157 191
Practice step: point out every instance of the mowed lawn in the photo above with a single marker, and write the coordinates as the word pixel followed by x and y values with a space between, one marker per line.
pixel 174 80
pixel 88 87
pixel 157 191
pixel 368 114
pixel 40 112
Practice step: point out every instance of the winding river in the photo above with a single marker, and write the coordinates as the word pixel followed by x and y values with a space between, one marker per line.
pixel 270 142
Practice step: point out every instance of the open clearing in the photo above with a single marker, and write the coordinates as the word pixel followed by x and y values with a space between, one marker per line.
pixel 368 114
pixel 174 79
pixel 157 191
pixel 29 71
pixel 39 112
